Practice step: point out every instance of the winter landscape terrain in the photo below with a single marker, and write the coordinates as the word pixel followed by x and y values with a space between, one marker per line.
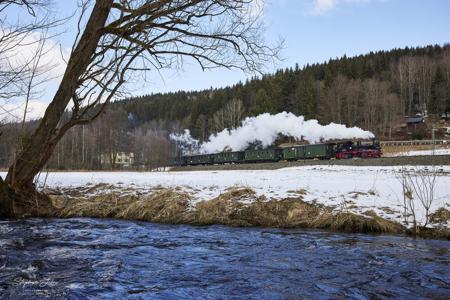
pixel 344 188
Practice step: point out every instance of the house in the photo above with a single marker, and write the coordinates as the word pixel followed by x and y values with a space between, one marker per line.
pixel 118 159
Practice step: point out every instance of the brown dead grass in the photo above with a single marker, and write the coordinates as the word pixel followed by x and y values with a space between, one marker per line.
pixel 440 216
pixel 227 210
pixel 231 208
pixel 349 222
pixel 441 233
pixel 101 206
pixel 163 206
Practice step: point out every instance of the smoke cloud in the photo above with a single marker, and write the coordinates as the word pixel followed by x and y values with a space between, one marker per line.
pixel 264 129
pixel 185 142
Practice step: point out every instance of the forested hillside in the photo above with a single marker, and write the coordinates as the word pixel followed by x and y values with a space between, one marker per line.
pixel 373 91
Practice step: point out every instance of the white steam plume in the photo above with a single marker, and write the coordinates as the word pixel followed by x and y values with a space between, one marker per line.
pixel 185 142
pixel 266 128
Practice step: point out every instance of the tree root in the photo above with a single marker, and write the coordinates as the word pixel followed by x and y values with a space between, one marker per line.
pixel 24 202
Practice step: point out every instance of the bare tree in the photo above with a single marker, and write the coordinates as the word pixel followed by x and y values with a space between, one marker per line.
pixel 15 69
pixel 408 200
pixel 228 117
pixel 122 36
pixel 418 184
pixel 22 75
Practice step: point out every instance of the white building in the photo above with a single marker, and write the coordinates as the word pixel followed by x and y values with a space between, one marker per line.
pixel 118 159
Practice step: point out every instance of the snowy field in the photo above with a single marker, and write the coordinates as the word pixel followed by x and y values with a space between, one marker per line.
pixel 352 188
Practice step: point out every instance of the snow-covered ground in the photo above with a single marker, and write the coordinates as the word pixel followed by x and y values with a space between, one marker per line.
pixel 356 189
pixel 422 152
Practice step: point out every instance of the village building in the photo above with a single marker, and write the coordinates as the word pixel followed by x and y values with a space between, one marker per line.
pixel 117 159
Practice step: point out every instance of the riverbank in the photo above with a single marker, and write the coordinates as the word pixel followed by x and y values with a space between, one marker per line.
pixel 237 207
pixel 344 198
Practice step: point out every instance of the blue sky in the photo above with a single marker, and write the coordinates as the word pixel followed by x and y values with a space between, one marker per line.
pixel 313 30
pixel 313 34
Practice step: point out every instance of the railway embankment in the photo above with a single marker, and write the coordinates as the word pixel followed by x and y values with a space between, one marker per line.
pixel 366 199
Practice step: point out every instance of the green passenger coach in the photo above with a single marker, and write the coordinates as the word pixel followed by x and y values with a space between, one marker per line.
pixel 203 159
pixel 228 157
pixel 291 153
pixel 320 151
pixel 271 154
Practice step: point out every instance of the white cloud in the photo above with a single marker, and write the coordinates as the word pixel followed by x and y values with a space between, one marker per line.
pixel 22 52
pixel 27 49
pixel 321 7
pixel 13 112
pixel 12 109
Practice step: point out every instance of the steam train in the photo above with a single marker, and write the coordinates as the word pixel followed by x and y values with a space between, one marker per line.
pixel 340 150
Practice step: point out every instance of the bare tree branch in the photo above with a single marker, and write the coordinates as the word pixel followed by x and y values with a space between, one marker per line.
pixel 125 37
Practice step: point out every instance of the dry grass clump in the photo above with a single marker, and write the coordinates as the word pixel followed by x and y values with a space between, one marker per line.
pixel 163 206
pixel 349 222
pixel 440 216
pixel 441 233
pixel 99 206
pixel 228 209
pixel 291 212
pixel 273 213
pixel 221 210
pixel 237 206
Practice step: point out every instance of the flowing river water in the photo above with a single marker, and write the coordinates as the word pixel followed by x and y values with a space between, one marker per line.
pixel 114 259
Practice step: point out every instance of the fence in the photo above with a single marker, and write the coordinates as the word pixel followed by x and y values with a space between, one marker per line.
pixel 415 142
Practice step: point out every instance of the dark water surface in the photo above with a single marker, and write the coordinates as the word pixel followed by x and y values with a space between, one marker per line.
pixel 97 259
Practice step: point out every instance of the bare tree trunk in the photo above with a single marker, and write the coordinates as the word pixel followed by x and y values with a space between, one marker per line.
pixel 17 190
pixel 137 37
pixel 40 147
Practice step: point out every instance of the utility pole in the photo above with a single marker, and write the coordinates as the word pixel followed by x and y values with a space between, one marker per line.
pixel 433 136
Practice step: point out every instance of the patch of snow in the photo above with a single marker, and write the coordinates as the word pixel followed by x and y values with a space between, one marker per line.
pixel 353 188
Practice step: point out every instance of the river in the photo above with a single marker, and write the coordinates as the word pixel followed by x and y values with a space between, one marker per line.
pixel 114 259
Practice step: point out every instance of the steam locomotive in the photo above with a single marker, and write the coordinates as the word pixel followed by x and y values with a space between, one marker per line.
pixel 339 150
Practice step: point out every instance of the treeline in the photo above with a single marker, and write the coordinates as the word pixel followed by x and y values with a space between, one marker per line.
pixel 83 146
pixel 373 91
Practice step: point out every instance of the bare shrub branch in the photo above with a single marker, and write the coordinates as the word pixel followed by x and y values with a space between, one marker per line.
pixel 418 183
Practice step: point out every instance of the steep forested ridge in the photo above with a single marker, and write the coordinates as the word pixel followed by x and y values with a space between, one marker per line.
pixel 373 91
